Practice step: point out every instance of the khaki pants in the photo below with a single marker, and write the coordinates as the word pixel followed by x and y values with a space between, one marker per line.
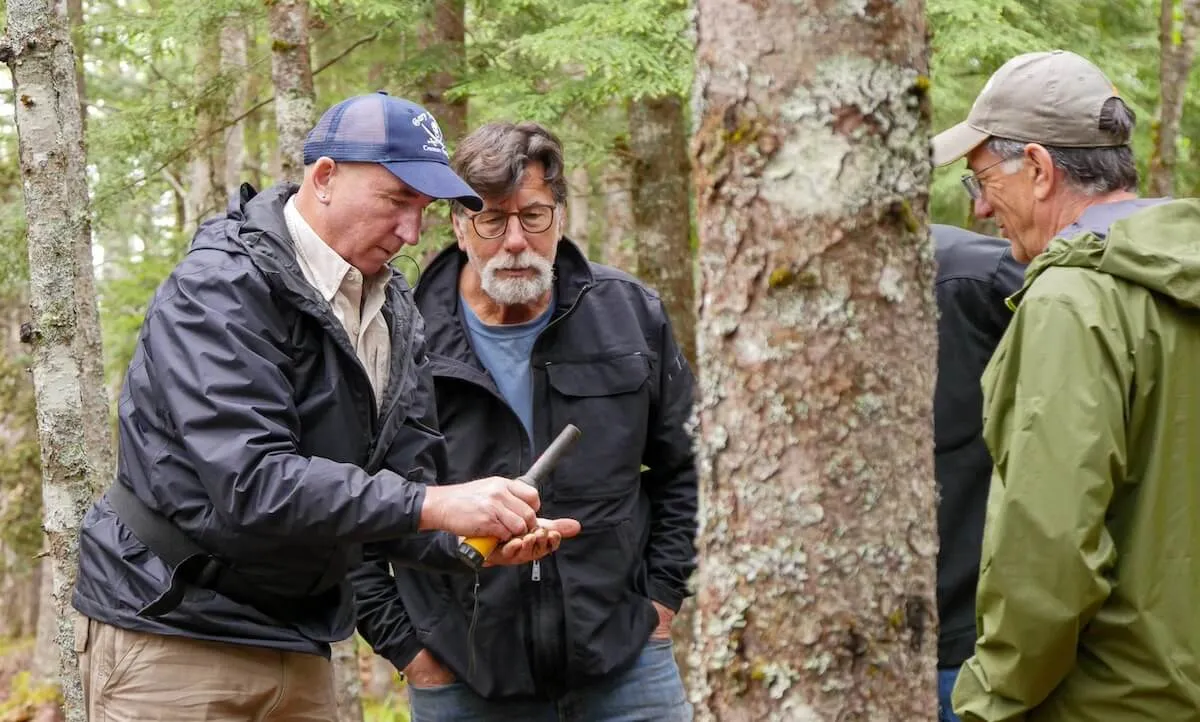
pixel 133 676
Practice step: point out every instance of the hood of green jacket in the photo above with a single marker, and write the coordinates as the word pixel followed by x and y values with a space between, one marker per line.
pixel 1157 248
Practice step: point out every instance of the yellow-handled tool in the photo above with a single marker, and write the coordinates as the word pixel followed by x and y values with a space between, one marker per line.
pixel 474 551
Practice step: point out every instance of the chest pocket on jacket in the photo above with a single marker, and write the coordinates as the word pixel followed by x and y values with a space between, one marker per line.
pixel 609 400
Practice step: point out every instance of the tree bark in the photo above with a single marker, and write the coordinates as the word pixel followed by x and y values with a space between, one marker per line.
pixel 816 355
pixel 347 682
pixel 75 20
pixel 441 42
pixel 579 186
pixel 45 650
pixel 206 184
pixel 619 248
pixel 1175 63
pixel 291 74
pixel 662 212
pixel 72 407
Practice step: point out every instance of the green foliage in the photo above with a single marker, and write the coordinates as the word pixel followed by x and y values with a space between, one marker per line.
pixel 26 696
pixel 572 64
pixel 393 708
pixel 565 63
pixel 14 260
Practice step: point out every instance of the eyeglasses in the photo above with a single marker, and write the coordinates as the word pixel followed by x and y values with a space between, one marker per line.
pixel 493 224
pixel 970 181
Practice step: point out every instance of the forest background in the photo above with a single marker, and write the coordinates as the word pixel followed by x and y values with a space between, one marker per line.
pixel 184 101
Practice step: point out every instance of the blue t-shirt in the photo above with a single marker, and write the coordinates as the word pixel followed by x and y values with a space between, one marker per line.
pixel 505 351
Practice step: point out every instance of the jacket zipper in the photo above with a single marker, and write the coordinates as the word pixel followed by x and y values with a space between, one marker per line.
pixel 545 661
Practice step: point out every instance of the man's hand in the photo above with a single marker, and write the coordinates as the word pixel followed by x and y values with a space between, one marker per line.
pixel 426 671
pixel 491 507
pixel 536 544
pixel 663 630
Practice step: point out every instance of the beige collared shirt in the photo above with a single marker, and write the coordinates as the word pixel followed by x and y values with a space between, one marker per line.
pixel 357 302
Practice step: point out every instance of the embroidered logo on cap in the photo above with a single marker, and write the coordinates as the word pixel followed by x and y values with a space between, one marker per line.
pixel 434 143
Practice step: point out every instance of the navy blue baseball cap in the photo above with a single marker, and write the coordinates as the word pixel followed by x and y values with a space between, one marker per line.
pixel 395 133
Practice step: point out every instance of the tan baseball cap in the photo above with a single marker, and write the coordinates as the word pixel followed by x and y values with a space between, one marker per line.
pixel 1051 98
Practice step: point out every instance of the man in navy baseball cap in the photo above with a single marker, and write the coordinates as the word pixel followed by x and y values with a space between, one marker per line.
pixel 395 133
pixel 276 417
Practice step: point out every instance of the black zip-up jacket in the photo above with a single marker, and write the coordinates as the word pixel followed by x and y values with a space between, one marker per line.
pixel 247 420
pixel 975 275
pixel 608 363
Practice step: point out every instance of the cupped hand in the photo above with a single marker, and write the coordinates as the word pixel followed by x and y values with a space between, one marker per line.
pixel 543 540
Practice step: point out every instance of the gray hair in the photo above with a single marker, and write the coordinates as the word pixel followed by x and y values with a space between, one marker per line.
pixel 1091 171
pixel 492 159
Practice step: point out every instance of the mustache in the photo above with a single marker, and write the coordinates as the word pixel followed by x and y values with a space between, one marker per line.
pixel 518 261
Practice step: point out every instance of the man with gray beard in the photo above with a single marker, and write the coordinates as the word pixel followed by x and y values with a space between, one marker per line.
pixel 524 337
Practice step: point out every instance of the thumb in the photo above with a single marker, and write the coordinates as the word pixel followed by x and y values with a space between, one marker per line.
pixel 525 493
pixel 566 527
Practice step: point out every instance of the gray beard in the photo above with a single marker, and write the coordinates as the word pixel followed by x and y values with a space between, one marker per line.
pixel 516 291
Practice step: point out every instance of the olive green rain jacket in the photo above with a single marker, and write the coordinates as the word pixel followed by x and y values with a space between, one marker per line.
pixel 1089 592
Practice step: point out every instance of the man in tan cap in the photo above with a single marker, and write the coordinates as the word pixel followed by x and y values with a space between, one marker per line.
pixel 1090 570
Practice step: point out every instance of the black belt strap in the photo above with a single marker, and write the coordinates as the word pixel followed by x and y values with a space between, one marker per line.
pixel 190 564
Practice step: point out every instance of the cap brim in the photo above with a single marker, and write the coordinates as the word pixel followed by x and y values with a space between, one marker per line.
pixel 435 180
pixel 954 143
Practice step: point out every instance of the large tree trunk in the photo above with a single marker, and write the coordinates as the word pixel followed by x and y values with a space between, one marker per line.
pixel 291 74
pixel 441 42
pixel 1175 63
pixel 72 407
pixel 816 345
pixel 661 210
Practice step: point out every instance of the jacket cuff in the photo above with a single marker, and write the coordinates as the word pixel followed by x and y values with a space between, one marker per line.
pixel 666 595
pixel 405 652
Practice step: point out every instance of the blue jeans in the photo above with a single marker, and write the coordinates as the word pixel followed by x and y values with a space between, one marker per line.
pixel 650 691
pixel 946 679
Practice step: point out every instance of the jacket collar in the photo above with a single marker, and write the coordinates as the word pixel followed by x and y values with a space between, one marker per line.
pixel 437 298
pixel 437 291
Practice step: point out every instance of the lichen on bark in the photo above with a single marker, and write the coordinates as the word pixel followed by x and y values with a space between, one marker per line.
pixel 69 387
pixel 816 346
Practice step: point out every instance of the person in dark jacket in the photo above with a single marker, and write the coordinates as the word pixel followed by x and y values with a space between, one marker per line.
pixel 975 274
pixel 278 413
pixel 526 336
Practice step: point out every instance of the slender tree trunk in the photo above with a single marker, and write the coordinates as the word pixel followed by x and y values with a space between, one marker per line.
pixel 661 210
pixel 579 187
pixel 347 682
pixel 619 245
pixel 206 187
pixel 816 346
pixel 441 41
pixel 233 67
pixel 291 74
pixel 1175 63
pixel 72 406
